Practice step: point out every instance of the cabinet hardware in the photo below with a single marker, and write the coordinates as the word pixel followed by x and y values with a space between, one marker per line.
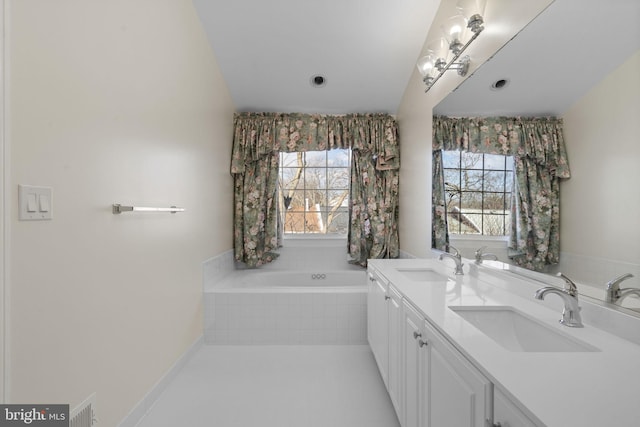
pixel 371 278
pixel 422 344
pixel 416 335
pixel 387 297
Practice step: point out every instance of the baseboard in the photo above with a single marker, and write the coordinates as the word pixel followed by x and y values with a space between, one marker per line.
pixel 144 406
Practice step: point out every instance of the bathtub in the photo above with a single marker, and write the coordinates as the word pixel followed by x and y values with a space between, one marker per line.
pixel 264 306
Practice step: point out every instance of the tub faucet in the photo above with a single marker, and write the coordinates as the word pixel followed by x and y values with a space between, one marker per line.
pixel 456 257
pixel 481 255
pixel 615 294
pixel 571 312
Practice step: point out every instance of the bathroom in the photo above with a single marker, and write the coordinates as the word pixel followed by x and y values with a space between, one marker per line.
pixel 125 102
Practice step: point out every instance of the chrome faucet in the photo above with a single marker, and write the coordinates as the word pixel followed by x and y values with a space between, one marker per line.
pixel 480 255
pixel 615 294
pixel 571 312
pixel 456 257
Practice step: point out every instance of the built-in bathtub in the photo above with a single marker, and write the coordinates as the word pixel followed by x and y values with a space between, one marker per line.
pixel 272 306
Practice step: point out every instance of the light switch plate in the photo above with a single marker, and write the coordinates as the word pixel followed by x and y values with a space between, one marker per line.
pixel 35 203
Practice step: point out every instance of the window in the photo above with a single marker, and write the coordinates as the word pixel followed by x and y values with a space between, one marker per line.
pixel 478 191
pixel 314 189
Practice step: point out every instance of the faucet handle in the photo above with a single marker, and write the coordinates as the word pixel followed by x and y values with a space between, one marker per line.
pixel 613 287
pixel 569 286
pixel 479 252
pixel 614 284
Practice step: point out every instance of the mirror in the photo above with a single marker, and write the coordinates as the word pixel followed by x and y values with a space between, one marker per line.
pixel 578 60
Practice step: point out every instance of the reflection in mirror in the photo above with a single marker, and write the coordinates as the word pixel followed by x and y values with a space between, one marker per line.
pixel 550 69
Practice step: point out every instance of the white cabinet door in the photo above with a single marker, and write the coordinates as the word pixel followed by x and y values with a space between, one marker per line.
pixel 507 414
pixel 459 395
pixel 394 382
pixel 377 323
pixel 414 374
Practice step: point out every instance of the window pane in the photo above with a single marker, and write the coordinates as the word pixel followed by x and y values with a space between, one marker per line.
pixel 471 201
pixel 472 180
pixel 494 202
pixel 494 161
pixel 297 200
pixel 290 159
pixel 453 201
pixel 494 225
pixel 338 198
pixel 315 178
pixel 313 221
pixel 471 160
pixel 338 178
pixel 339 221
pixel 452 178
pixel 494 181
pixel 315 158
pixel 451 159
pixel 339 158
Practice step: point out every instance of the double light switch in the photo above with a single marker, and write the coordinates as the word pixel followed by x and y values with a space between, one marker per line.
pixel 35 203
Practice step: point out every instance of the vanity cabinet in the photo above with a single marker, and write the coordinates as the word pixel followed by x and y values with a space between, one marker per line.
pixel 459 395
pixel 384 317
pixel 507 414
pixel 414 366
pixel 394 381
pixel 430 383
pixel 378 323
pixel 441 387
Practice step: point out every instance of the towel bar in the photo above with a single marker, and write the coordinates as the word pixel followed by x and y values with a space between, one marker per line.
pixel 118 209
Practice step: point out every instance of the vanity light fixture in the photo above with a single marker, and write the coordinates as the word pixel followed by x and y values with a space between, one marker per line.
pixel 435 63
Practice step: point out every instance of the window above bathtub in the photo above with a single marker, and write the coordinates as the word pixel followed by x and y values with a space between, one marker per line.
pixel 314 192
pixel 478 191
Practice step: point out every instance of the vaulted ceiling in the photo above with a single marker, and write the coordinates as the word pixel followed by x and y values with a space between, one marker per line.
pixel 269 51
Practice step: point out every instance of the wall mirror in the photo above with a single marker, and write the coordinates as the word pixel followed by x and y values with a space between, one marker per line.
pixel 552 64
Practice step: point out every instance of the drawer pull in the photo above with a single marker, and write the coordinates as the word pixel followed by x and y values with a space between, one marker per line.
pixel 416 335
pixel 422 344
pixel 387 297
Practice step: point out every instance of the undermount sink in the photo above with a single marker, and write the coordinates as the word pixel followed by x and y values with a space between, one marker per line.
pixel 516 331
pixel 421 274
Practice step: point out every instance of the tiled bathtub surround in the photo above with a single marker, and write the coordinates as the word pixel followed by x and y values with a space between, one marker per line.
pixel 253 307
pixel 286 317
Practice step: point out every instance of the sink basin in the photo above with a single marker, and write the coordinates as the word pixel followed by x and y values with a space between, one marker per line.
pixel 421 274
pixel 516 331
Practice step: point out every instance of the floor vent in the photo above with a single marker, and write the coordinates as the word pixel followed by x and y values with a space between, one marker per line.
pixel 83 415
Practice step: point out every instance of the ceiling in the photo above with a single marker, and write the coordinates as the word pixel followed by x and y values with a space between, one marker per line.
pixel 269 50
pixel 570 47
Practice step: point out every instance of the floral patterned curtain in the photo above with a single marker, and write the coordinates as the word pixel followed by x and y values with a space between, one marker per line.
pixel 537 145
pixel 259 137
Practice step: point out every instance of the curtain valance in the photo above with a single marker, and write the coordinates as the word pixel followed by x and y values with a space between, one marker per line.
pixel 538 139
pixel 257 135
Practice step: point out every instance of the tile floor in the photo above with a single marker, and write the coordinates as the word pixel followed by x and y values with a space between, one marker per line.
pixel 276 386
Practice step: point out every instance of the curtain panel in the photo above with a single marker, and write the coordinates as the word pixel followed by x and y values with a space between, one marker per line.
pixel 373 206
pixel 537 145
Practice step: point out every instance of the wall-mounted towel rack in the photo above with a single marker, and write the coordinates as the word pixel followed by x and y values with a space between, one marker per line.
pixel 118 209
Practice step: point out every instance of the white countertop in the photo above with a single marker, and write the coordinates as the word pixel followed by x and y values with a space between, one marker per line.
pixel 580 389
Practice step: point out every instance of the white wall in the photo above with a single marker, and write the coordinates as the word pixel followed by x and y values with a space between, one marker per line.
pixel 600 203
pixel 504 19
pixel 112 102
